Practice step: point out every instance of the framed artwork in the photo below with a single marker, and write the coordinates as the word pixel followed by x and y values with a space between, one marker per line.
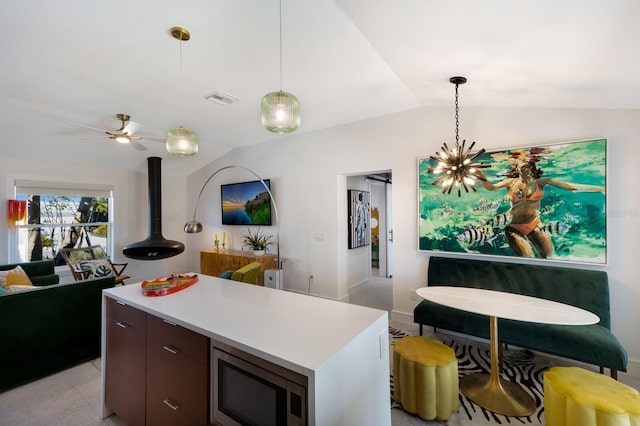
pixel 246 203
pixel 542 202
pixel 359 212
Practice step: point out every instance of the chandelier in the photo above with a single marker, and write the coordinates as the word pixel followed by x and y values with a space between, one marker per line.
pixel 456 166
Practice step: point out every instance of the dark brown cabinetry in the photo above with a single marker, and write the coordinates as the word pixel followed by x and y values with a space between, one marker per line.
pixel 156 371
pixel 177 375
pixel 125 378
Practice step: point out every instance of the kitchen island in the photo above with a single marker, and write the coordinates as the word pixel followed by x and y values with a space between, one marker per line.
pixel 341 349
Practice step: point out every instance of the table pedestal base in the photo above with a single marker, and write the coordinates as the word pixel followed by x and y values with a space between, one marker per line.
pixel 500 396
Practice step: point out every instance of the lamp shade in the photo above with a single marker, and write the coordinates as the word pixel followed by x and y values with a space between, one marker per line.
pixel 280 112
pixel 182 141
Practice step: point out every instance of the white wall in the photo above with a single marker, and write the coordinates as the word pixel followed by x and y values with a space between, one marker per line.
pixel 131 215
pixel 308 177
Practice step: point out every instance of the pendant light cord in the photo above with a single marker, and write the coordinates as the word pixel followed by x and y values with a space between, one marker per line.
pixel 280 17
pixel 181 92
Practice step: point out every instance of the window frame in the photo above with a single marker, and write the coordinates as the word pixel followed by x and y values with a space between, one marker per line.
pixel 25 187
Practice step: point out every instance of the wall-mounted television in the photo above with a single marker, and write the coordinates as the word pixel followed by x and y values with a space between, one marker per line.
pixel 246 203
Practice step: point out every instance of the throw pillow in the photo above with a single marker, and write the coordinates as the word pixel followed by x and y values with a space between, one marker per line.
pixel 20 288
pixel 226 275
pixel 98 267
pixel 15 276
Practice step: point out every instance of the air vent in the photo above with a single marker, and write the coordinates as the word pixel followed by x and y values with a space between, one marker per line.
pixel 221 98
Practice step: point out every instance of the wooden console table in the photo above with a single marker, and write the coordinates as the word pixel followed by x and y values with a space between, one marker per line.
pixel 215 262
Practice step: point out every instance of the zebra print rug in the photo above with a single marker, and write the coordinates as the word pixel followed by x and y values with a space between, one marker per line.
pixel 520 365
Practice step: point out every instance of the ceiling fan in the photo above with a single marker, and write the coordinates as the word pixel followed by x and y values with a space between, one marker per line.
pixel 125 134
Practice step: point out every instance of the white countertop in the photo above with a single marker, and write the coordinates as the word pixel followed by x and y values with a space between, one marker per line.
pixel 508 305
pixel 294 330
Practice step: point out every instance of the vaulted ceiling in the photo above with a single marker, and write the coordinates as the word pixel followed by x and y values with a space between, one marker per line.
pixel 346 60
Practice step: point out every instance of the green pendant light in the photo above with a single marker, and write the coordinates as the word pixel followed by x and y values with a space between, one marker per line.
pixel 181 141
pixel 280 110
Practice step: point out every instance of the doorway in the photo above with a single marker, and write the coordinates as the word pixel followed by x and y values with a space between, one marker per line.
pixel 381 223
pixel 376 290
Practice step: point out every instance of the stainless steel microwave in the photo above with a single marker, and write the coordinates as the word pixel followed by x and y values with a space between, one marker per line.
pixel 248 390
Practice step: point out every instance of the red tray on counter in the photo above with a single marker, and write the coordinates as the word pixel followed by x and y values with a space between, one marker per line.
pixel 168 284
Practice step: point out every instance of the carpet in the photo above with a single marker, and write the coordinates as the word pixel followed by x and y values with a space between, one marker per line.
pixel 520 365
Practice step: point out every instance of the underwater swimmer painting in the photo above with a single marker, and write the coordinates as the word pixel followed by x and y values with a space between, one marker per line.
pixel 546 202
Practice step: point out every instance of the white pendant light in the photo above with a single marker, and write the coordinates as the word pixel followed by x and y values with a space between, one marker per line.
pixel 280 110
pixel 181 141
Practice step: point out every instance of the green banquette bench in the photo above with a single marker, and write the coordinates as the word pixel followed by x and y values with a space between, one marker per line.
pixel 587 289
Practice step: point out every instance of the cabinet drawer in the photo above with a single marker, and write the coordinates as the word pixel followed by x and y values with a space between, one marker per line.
pixel 161 413
pixel 126 314
pixel 177 386
pixel 179 339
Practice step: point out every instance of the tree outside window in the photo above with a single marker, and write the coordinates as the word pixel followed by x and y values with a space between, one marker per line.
pixel 62 221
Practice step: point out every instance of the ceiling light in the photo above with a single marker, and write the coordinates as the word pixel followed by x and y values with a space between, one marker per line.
pixel 122 139
pixel 455 165
pixel 181 141
pixel 280 110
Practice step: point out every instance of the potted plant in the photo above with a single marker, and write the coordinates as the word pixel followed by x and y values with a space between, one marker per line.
pixel 258 241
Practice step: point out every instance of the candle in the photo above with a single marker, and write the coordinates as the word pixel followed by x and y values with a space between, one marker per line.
pixel 224 237
pixel 216 238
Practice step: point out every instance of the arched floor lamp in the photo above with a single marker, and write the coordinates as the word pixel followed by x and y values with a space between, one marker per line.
pixel 194 226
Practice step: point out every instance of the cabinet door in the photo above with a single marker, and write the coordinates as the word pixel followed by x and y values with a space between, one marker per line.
pixel 177 384
pixel 125 387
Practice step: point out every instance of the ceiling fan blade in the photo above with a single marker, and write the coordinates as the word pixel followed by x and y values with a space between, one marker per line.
pixel 138 146
pixel 153 138
pixel 85 126
pixel 131 128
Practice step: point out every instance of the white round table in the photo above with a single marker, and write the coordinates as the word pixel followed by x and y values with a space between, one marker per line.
pixel 489 390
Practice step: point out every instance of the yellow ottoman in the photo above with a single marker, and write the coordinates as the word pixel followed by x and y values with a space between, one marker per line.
pixel 575 396
pixel 425 375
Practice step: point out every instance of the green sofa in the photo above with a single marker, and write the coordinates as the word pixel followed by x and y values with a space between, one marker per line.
pixel 49 328
pixel 40 272
pixel 586 289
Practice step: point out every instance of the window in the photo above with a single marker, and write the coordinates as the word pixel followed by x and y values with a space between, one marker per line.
pixel 61 215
